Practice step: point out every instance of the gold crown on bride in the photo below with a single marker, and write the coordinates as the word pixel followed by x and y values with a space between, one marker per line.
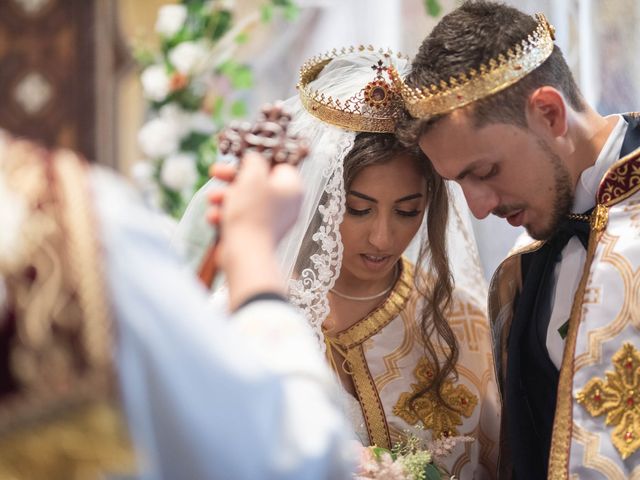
pixel 374 108
pixel 492 77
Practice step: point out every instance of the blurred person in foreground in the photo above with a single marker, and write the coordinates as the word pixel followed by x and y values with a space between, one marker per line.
pixel 114 365
pixel 496 109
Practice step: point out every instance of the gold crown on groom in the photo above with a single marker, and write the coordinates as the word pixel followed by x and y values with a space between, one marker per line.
pixel 376 107
pixel 492 77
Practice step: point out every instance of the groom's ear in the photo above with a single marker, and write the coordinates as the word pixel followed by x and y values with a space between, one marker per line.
pixel 546 112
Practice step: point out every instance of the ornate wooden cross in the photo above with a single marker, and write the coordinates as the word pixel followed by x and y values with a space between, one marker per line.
pixel 267 136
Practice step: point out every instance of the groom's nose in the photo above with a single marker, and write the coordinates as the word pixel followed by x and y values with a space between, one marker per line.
pixel 482 199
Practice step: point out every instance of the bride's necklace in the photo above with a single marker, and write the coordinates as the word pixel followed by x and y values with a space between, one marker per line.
pixel 369 297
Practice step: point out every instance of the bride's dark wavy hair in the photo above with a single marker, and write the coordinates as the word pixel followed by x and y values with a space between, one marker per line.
pixel 435 285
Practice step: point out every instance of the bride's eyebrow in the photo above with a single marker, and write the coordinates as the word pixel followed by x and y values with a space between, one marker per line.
pixel 363 196
pixel 371 199
pixel 408 197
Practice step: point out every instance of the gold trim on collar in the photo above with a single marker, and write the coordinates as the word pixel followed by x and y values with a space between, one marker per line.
pixel 381 316
pixel 621 180
pixel 368 397
pixel 349 344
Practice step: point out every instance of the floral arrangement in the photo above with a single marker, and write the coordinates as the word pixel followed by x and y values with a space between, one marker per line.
pixel 193 86
pixel 407 460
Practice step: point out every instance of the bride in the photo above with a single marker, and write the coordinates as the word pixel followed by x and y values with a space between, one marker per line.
pixel 412 352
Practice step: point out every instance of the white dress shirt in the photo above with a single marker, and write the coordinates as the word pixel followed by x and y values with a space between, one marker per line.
pixel 207 396
pixel 568 271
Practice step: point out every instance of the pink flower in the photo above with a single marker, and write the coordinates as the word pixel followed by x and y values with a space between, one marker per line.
pixel 367 462
pixel 382 468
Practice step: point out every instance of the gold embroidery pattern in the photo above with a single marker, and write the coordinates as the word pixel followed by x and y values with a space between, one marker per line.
pixel 49 360
pixel 619 398
pixel 563 420
pixel 469 324
pixel 88 442
pixel 592 457
pixel 592 295
pixel 503 287
pixel 621 181
pixel 489 446
pixel 631 303
pixel 461 461
pixel 633 210
pixel 61 421
pixel 85 261
pixel 392 371
pixel 435 416
pixel 599 218
pixel 369 399
pixel 351 343
pixel 21 166
pixel 379 318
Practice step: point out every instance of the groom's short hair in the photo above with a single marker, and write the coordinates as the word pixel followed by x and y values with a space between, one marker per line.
pixel 473 34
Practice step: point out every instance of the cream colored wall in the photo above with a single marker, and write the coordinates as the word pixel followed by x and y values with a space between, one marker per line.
pixel 136 21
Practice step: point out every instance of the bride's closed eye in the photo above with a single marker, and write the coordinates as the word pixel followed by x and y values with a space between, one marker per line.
pixel 356 212
pixel 409 213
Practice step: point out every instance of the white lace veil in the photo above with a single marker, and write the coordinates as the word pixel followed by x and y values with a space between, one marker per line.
pixel 311 254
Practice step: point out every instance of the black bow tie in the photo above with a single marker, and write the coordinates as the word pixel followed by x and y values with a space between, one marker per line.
pixel 572 225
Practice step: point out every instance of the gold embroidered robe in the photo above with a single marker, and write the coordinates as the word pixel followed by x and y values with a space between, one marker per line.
pixel 596 430
pixel 385 354
pixel 58 414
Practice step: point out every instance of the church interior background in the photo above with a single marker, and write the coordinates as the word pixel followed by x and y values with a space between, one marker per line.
pixel 68 76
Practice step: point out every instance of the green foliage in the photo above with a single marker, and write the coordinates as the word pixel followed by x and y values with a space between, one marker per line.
pixel 143 56
pixel 239 75
pixel 200 88
pixel 291 12
pixel 379 451
pixel 218 25
pixel 239 109
pixel 409 454
pixel 242 38
pixel 266 13
pixel 218 111
pixel 432 472
pixel 432 7
pixel 187 98
pixel 193 141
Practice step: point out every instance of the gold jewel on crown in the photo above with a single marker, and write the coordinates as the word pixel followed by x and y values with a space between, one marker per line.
pixel 498 74
pixel 374 108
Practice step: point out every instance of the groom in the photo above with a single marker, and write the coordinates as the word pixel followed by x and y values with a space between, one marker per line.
pixel 512 128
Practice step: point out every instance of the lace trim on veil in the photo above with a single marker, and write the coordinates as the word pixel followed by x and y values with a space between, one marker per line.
pixel 310 288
